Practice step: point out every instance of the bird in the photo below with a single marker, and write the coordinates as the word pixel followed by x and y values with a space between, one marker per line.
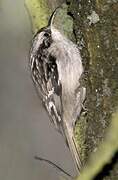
pixel 56 69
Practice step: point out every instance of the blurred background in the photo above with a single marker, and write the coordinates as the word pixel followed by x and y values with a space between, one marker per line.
pixel 25 129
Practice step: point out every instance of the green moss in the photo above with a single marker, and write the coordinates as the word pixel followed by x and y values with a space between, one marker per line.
pixel 39 13
pixel 105 153
pixel 79 134
pixel 98 40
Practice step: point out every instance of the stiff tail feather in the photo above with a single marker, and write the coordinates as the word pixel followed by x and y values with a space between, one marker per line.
pixel 72 147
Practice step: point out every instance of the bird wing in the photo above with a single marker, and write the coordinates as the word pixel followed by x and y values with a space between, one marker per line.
pixel 53 70
pixel 45 76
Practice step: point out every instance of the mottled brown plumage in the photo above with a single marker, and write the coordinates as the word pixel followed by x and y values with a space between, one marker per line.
pixel 56 69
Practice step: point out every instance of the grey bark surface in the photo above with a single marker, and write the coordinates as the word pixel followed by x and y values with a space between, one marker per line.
pixel 96 30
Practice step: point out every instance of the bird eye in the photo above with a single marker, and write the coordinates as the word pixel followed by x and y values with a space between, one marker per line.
pixel 46 35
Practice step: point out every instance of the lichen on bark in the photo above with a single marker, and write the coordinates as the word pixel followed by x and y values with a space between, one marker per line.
pixel 107 151
pixel 40 11
pixel 96 29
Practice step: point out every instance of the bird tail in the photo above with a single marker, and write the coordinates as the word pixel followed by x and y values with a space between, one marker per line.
pixel 72 147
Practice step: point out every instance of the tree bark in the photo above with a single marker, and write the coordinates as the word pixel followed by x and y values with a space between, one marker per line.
pixel 96 30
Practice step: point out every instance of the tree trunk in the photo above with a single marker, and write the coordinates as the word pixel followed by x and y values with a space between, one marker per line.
pixel 96 30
